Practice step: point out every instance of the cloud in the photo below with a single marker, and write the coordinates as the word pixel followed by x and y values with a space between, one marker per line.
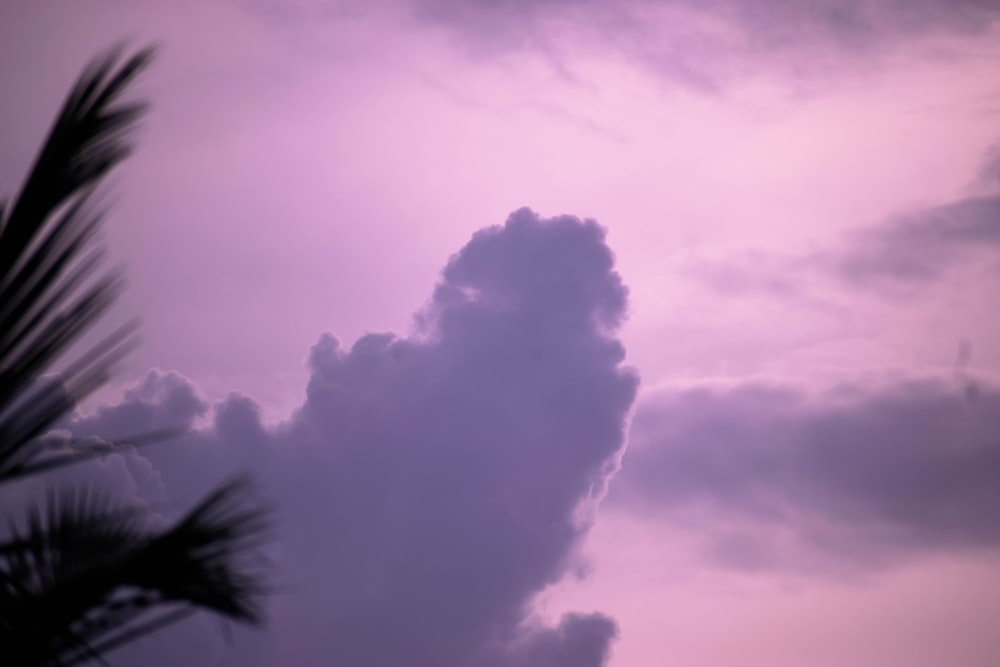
pixel 917 248
pixel 705 45
pixel 778 478
pixel 897 257
pixel 161 400
pixel 431 485
pixel 989 171
pixel 579 640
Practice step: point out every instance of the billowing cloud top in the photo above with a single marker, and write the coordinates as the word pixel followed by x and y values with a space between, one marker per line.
pixel 430 486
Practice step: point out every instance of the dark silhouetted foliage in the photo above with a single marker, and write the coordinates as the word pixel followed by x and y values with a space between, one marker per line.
pixel 82 574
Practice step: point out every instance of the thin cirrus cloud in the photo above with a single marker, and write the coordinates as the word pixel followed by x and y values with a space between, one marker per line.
pixel 852 477
pixel 917 248
pixel 707 44
pixel 899 256
pixel 429 486
pixel 705 47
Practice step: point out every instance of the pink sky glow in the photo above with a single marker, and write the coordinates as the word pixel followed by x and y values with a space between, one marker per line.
pixel 797 200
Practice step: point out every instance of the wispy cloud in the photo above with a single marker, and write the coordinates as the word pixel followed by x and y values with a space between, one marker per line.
pixel 852 477
pixel 708 45
pixel 894 258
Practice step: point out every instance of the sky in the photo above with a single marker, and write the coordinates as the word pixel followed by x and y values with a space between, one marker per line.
pixel 562 333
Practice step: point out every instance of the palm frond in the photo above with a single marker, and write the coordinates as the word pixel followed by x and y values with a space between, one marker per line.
pixel 51 287
pixel 85 575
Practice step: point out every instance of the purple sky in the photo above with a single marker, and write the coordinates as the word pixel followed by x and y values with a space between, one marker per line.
pixel 747 417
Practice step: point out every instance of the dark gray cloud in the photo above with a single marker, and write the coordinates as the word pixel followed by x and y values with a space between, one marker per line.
pixel 430 486
pixel 854 476
pixel 707 44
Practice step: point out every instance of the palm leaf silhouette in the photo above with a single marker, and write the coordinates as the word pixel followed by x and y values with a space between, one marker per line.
pixel 86 575
pixel 51 290
pixel 83 575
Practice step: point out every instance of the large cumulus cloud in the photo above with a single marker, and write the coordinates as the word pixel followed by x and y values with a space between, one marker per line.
pixel 776 477
pixel 429 486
